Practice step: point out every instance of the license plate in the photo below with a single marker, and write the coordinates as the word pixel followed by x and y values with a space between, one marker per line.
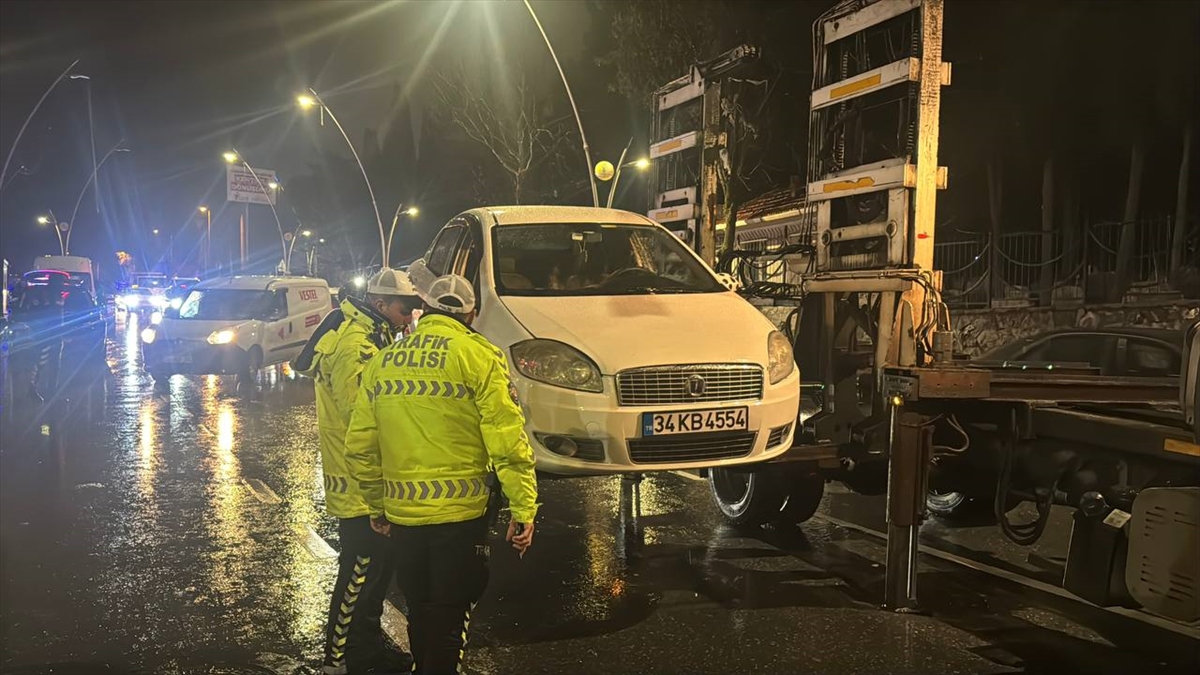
pixel 177 359
pixel 695 421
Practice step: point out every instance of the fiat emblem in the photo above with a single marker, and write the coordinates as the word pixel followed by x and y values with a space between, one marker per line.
pixel 696 386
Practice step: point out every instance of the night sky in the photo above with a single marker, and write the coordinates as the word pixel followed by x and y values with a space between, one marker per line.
pixel 184 81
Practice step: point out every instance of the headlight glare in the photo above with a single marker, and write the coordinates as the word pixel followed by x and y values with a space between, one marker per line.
pixel 159 301
pixel 176 303
pixel 558 364
pixel 221 337
pixel 129 300
pixel 156 318
pixel 148 335
pixel 780 361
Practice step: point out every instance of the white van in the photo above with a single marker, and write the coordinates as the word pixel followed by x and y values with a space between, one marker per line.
pixel 235 325
pixel 628 353
pixel 81 269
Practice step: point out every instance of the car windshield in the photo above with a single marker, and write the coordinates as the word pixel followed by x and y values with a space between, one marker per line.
pixel 151 282
pixel 571 259
pixel 224 304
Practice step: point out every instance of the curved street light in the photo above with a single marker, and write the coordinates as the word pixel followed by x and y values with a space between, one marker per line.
pixel 411 212
pixel 587 154
pixel 21 132
pixel 95 172
pixel 312 99
pixel 52 220
pixel 235 157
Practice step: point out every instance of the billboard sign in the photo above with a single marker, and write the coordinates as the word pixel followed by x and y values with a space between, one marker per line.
pixel 242 186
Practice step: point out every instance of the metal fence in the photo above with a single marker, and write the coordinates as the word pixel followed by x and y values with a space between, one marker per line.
pixel 1039 267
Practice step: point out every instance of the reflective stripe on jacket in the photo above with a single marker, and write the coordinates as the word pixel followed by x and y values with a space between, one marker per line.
pixel 436 412
pixel 338 359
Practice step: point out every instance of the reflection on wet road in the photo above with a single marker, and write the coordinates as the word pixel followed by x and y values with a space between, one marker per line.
pixel 174 533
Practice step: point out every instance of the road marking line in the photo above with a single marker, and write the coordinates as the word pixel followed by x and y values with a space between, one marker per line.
pixel 261 491
pixel 1144 617
pixel 393 621
pixel 682 473
pixel 316 544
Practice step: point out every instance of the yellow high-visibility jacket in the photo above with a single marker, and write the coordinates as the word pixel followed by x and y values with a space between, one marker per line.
pixel 337 362
pixel 437 411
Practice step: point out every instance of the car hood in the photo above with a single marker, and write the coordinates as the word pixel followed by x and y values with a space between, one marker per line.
pixel 195 329
pixel 631 331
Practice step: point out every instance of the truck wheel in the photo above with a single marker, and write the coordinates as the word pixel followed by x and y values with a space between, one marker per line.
pixel 766 495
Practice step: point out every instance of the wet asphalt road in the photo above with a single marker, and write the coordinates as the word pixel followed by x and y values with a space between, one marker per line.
pixel 184 533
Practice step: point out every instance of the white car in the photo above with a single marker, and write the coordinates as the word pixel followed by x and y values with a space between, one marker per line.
pixel 235 325
pixel 628 353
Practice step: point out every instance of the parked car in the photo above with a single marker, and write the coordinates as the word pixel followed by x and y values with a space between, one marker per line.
pixel 1115 351
pixel 235 325
pixel 1108 351
pixel 628 352
pixel 53 316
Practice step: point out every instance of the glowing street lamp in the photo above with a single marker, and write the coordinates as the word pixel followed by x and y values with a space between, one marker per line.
pixel 641 164
pixel 52 220
pixel 306 233
pixel 207 236
pixel 230 157
pixel 43 220
pixel 410 212
pixel 311 100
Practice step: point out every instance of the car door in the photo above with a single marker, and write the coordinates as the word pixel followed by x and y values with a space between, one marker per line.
pixel 439 257
pixel 1147 357
pixel 278 331
pixel 467 259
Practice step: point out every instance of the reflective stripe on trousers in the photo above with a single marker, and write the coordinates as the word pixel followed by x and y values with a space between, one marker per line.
pixel 450 488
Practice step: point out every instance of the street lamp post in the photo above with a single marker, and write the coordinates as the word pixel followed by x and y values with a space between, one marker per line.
pixel 21 132
pixel 640 164
pixel 587 154
pixel 311 99
pixel 411 211
pixel 207 239
pixel 53 220
pixel 95 172
pixel 233 157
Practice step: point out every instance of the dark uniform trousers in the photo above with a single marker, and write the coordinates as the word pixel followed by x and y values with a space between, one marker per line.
pixel 353 635
pixel 443 571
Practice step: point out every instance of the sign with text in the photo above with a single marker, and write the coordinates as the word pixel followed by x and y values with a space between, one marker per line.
pixel 244 186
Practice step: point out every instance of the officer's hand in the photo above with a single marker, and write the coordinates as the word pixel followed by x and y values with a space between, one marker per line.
pixel 522 540
pixel 381 525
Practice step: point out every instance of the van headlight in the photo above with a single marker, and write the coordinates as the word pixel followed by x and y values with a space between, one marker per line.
pixel 149 335
pixel 159 301
pixel 221 337
pixel 780 361
pixel 176 303
pixel 558 364
pixel 156 317
pixel 130 300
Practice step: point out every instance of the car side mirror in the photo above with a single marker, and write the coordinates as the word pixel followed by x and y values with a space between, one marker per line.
pixel 728 281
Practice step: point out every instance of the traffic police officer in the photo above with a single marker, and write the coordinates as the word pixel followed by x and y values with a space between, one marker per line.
pixel 335 357
pixel 436 413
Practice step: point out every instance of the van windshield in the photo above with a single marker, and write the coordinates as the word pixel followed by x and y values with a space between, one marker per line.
pixel 568 259
pixel 222 304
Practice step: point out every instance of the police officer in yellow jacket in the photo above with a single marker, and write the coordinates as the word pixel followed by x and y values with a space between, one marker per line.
pixel 334 357
pixel 437 412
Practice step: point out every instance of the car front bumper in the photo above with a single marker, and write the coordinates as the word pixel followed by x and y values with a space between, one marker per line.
pixel 194 357
pixel 582 433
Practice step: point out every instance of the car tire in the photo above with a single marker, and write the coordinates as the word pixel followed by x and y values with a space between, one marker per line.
pixel 960 508
pixel 254 363
pixel 768 495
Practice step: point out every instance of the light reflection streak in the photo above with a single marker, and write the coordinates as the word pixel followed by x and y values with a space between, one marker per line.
pixel 148 461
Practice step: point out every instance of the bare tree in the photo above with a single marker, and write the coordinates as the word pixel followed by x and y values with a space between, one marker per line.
pixel 507 122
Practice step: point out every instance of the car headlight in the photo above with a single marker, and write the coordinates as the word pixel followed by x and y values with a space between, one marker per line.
pixel 780 361
pixel 156 318
pixel 557 364
pixel 176 303
pixel 129 300
pixel 148 335
pixel 159 301
pixel 221 337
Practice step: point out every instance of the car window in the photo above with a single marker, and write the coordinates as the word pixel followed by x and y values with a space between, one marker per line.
pixel 1149 358
pixel 1096 350
pixel 440 254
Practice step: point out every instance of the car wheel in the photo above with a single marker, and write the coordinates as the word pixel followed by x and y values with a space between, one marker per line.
pixel 960 507
pixel 254 363
pixel 766 495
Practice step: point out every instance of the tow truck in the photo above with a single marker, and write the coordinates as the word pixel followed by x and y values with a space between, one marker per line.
pixel 891 410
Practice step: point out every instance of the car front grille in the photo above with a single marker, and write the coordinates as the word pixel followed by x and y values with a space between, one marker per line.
pixel 690 384
pixel 691 448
